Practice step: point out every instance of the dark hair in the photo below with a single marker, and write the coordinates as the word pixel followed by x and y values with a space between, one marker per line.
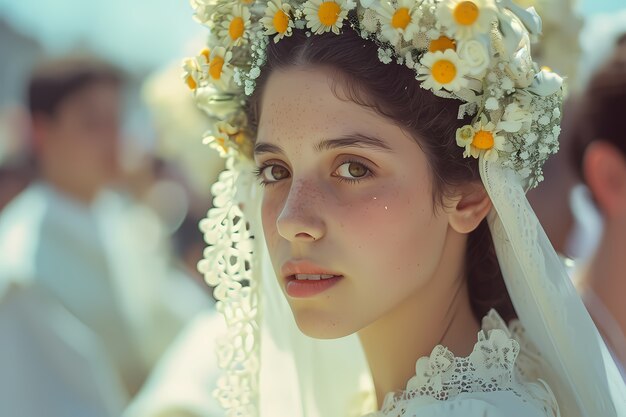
pixel 392 91
pixel 55 80
pixel 599 111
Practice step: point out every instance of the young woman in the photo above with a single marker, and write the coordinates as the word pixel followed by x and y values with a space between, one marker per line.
pixel 394 142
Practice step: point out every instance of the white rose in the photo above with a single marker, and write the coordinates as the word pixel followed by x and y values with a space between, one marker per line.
pixel 475 54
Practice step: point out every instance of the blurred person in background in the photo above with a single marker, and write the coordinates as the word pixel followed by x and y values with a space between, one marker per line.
pixel 88 301
pixel 16 165
pixel 181 384
pixel 599 155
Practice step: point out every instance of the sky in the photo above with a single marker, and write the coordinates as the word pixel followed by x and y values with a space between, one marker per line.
pixel 138 35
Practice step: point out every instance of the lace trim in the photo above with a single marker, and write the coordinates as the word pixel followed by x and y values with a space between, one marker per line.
pixel 227 265
pixel 502 360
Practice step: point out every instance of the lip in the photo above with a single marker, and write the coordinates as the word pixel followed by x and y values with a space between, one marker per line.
pixel 303 288
pixel 304 266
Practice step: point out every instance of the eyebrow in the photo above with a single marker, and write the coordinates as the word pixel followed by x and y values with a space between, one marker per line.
pixel 355 140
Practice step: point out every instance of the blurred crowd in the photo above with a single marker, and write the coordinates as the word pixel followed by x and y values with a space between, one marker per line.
pixel 102 311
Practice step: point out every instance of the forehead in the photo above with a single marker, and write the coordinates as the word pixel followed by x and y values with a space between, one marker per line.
pixel 298 102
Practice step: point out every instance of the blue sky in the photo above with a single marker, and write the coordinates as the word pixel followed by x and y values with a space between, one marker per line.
pixel 137 34
pixel 590 7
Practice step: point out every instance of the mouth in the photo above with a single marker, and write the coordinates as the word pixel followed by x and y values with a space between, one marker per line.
pixel 312 277
pixel 309 285
pixel 305 279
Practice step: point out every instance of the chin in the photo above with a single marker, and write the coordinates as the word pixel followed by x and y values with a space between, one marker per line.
pixel 321 325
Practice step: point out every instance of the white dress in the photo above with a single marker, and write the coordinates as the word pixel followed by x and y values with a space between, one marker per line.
pixel 87 304
pixel 501 377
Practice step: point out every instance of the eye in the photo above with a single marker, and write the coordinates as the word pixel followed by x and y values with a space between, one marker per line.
pixel 269 174
pixel 352 170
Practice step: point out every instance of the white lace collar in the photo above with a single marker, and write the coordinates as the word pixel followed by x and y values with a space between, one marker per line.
pixel 502 360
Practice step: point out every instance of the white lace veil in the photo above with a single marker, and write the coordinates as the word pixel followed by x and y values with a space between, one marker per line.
pixel 583 376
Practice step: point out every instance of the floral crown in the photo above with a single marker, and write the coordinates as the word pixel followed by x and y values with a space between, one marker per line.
pixel 475 51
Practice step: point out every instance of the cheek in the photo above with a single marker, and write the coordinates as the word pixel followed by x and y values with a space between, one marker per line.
pixel 397 236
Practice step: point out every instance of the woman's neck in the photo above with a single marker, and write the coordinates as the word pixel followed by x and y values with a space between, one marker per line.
pixel 438 313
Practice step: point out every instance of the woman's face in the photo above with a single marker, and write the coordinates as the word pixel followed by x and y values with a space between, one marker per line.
pixel 347 194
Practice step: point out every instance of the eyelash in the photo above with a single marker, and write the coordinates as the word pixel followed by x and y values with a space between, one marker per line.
pixel 370 172
pixel 258 173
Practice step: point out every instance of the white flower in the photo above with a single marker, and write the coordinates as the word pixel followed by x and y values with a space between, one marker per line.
pixel 227 139
pixel 369 21
pixel 203 10
pixel 494 356
pixel 546 83
pixel 400 20
pixel 235 29
pixel 278 19
pixel 515 118
pixel 531 138
pixel 384 55
pixel 492 104
pixel 326 15
pixel 220 70
pixel 476 55
pixel 192 73
pixel 465 19
pixel 442 70
pixel 485 141
pixel 507 84
pixel 366 4
pixel 465 136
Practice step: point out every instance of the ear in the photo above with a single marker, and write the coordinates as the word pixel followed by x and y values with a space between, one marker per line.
pixel 41 125
pixel 604 169
pixel 469 208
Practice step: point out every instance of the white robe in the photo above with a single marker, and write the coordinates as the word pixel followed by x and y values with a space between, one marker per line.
pixel 87 303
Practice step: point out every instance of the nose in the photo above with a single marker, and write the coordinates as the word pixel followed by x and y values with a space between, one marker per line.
pixel 300 219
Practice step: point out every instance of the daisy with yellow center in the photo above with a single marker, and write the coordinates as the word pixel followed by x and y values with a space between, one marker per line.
pixel 228 139
pixel 326 15
pixel 278 20
pixel 192 73
pixel 442 70
pixel 220 71
pixel 203 10
pixel 221 140
pixel 481 139
pixel 399 21
pixel 196 69
pixel 441 44
pixel 465 19
pixel 235 29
